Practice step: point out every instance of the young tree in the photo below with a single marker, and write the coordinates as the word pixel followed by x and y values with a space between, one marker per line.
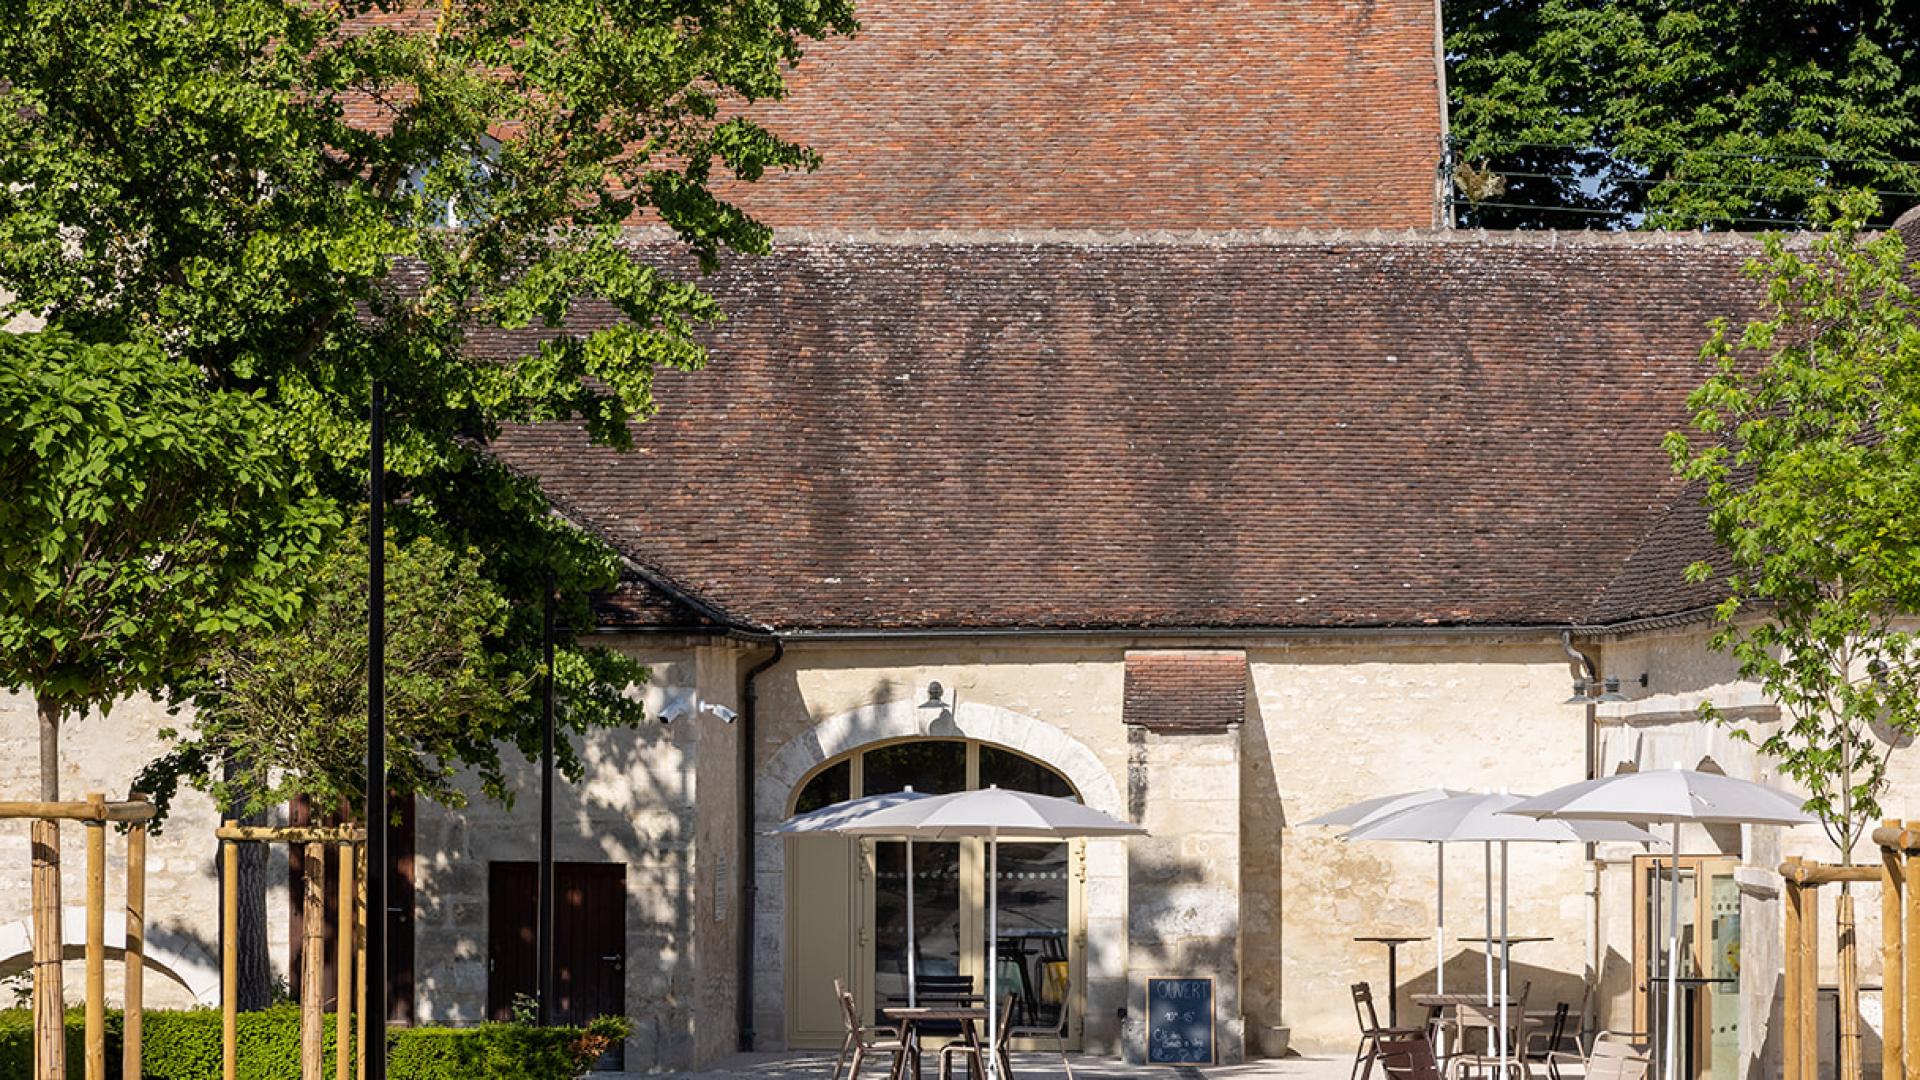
pixel 1806 441
pixel 144 516
pixel 1680 113
pixel 279 716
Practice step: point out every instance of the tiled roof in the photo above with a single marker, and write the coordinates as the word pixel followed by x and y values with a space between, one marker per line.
pixel 1293 430
pixel 1115 113
pixel 1192 690
pixel 1098 114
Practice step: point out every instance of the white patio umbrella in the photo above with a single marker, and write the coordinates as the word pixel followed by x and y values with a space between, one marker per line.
pixel 993 814
pixel 1673 795
pixel 1366 812
pixel 1479 819
pixel 835 819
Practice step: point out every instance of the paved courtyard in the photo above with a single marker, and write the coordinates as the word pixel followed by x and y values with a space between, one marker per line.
pixel 815 1066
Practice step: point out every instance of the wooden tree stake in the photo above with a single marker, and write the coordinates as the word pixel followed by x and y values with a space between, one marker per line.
pixel 360 961
pixel 229 958
pixel 1810 983
pixel 49 1000
pixel 1911 981
pixel 1790 1014
pixel 135 957
pixel 96 1039
pixel 343 967
pixel 312 956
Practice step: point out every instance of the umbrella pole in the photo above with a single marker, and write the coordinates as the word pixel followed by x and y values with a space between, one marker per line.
pixel 993 953
pixel 1440 931
pixel 1673 961
pixel 1488 852
pixel 913 943
pixel 1504 949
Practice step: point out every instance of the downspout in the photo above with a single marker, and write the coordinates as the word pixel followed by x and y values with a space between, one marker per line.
pixel 1443 211
pixel 749 886
pixel 1592 739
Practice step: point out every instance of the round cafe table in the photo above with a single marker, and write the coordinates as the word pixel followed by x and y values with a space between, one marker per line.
pixel 1393 943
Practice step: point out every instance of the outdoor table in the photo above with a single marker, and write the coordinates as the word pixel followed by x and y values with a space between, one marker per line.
pixel 1492 941
pixel 967 1017
pixel 1393 943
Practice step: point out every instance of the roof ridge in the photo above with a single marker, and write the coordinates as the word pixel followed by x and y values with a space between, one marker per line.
pixel 1304 237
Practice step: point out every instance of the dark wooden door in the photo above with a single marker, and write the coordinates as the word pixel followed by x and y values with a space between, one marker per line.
pixel 400 901
pixel 589 941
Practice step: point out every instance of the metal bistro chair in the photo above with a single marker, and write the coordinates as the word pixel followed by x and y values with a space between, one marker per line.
pixel 864 1039
pixel 1615 1056
pixel 1409 1059
pixel 1371 1032
pixel 1057 1032
pixel 942 990
pixel 998 1049
pixel 1486 1020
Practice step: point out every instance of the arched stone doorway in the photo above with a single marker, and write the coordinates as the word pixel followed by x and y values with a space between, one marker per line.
pixel 842 903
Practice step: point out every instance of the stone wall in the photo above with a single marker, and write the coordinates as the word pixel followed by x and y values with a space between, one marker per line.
pixel 635 807
pixel 104 753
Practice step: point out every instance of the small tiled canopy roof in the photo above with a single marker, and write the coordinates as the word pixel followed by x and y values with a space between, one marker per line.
pixel 1296 430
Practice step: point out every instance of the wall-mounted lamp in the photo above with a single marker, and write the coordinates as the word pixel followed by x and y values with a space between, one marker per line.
pixel 1593 692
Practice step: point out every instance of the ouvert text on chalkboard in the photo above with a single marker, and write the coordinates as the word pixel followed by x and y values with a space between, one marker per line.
pixel 1180 1021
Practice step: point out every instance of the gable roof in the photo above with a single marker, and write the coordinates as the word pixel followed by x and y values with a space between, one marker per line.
pixel 1288 430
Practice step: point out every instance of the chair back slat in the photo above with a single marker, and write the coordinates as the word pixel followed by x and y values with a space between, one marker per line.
pixel 1363 1010
pixel 1614 1060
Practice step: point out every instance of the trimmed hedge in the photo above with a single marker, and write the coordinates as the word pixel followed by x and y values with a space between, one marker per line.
pixel 185 1045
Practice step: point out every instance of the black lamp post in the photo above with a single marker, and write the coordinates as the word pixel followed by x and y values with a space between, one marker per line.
pixel 373 1006
pixel 543 930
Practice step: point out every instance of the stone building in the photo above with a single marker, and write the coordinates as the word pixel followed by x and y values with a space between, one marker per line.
pixel 1109 421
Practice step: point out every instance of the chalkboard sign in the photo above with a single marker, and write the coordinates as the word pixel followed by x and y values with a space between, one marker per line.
pixel 1180 1021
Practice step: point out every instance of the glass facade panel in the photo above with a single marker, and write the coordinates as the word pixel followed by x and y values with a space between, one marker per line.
pixel 936 916
pixel 832 785
pixel 931 767
pixel 1032 890
pixel 1017 772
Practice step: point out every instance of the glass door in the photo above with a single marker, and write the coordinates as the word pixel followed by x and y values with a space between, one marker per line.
pixel 1033 920
pixel 1709 961
pixel 936 914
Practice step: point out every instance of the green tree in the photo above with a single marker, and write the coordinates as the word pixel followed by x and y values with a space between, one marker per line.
pixel 275 716
pixel 1806 441
pixel 144 517
pixel 1605 114
pixel 298 199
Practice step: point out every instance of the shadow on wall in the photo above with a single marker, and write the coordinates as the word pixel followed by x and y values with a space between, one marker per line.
pixel 172 952
pixel 1262 869
pixel 632 808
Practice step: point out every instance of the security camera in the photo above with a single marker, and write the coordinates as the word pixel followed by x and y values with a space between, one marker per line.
pixel 725 714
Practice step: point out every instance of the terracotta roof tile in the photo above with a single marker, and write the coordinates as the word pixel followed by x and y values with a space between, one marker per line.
pixel 1282 432
pixel 1115 113
pixel 1191 690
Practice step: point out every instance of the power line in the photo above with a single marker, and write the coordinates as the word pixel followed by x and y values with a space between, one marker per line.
pixel 1598 147
pixel 1655 182
pixel 1615 213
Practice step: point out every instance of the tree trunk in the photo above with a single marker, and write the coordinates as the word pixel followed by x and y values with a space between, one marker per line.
pixel 255 989
pixel 49 999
